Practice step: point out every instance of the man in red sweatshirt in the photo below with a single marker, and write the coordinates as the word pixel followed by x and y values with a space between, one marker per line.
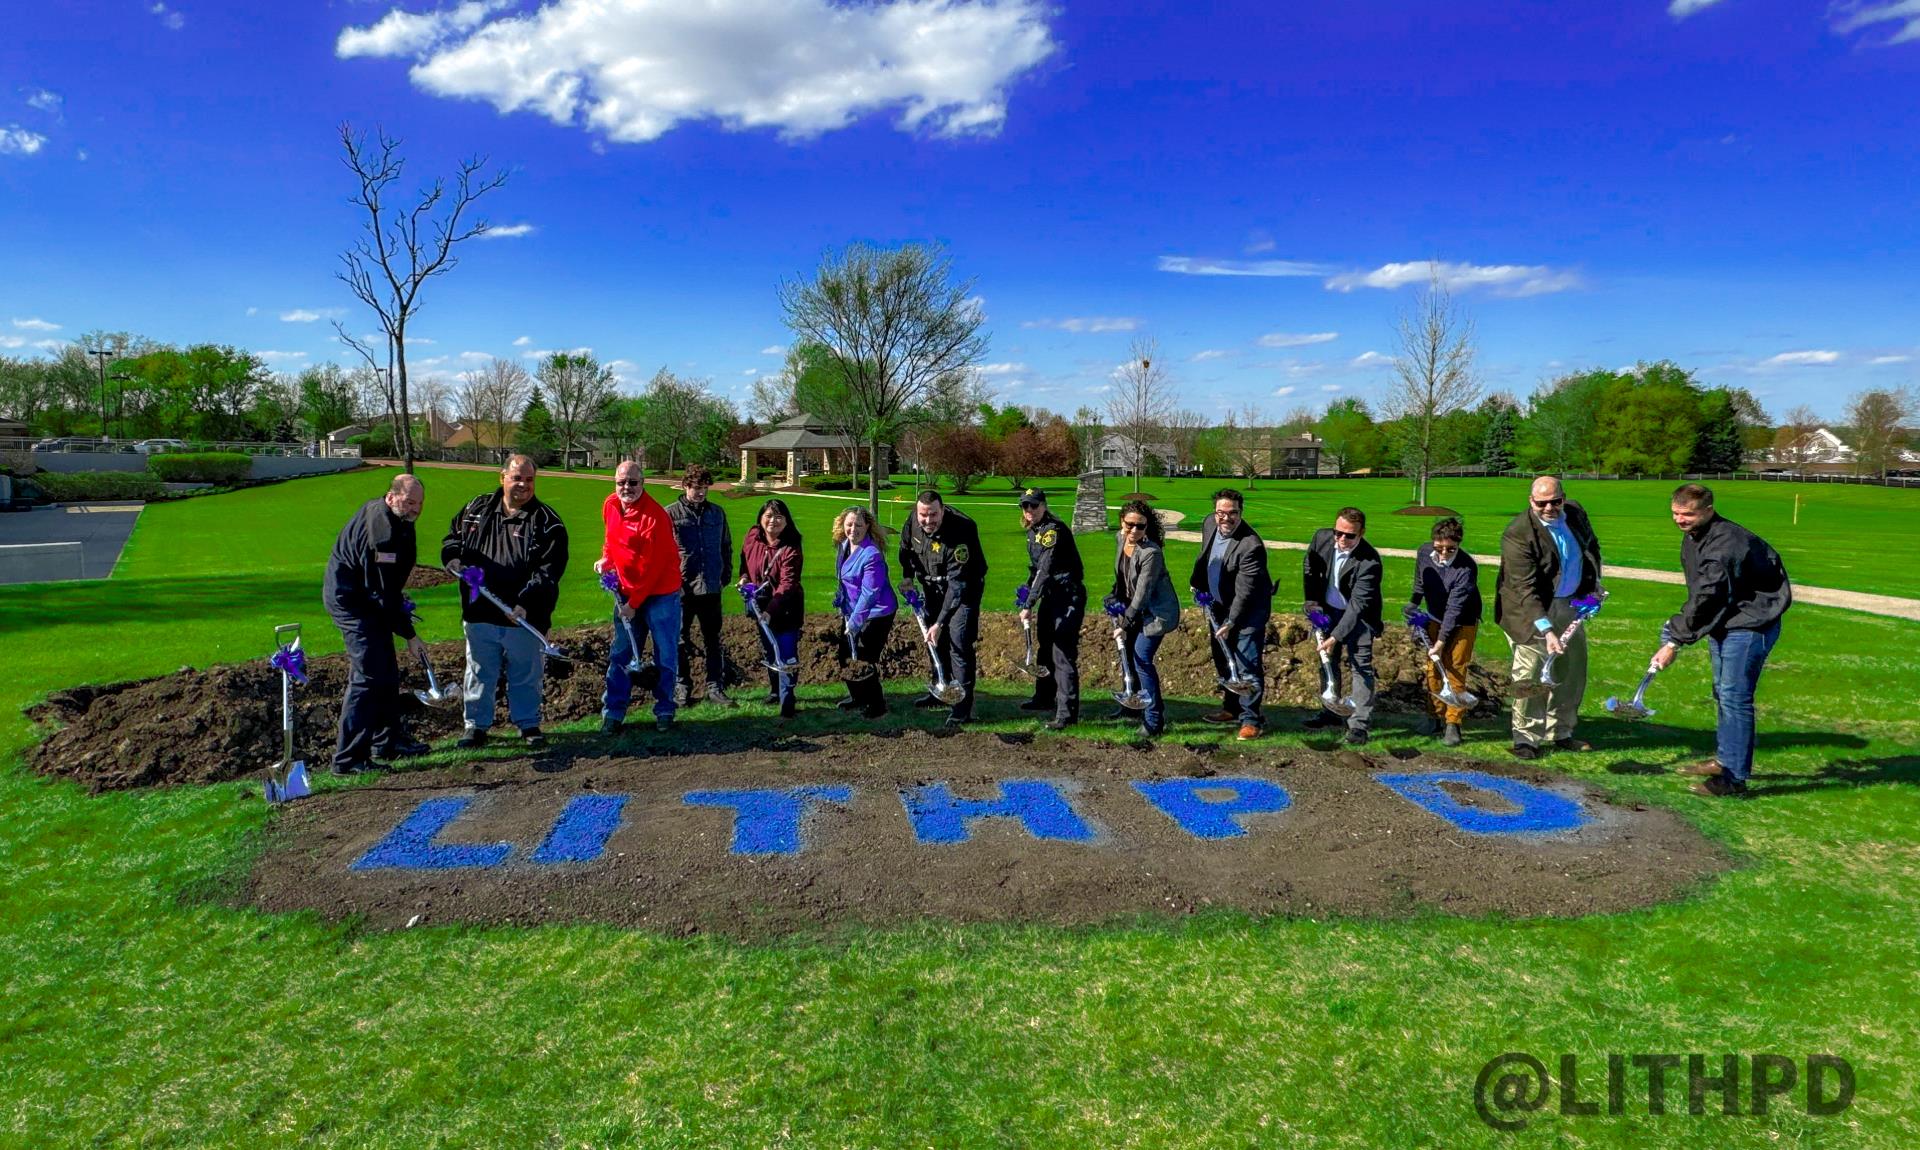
pixel 641 552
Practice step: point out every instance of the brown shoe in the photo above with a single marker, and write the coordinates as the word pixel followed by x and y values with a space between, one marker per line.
pixel 1248 731
pixel 1571 744
pixel 1221 716
pixel 1705 768
pixel 1720 787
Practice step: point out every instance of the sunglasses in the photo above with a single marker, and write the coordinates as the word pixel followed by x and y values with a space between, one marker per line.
pixel 626 483
pixel 1339 534
pixel 1133 525
pixel 1549 502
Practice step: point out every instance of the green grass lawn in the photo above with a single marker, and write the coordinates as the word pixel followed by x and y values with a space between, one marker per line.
pixel 135 1009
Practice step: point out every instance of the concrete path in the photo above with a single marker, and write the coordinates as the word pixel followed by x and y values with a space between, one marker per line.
pixel 1888 605
pixel 29 551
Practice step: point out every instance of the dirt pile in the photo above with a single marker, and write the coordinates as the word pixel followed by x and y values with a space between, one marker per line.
pixel 224 722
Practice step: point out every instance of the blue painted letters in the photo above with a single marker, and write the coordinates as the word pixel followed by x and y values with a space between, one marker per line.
pixel 583 830
pixel 1541 811
pixel 768 822
pixel 411 845
pixel 938 817
pixel 1179 800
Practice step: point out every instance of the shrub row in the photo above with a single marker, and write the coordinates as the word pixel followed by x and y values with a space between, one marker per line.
pixel 82 485
pixel 221 468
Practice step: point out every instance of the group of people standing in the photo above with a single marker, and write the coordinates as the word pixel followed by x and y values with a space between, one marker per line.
pixel 667 567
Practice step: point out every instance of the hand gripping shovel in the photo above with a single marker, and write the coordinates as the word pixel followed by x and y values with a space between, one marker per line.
pixel 1238 680
pixel 1130 696
pixel 610 583
pixel 940 688
pixel 433 696
pixel 477 588
pixel 748 591
pixel 1635 708
pixel 1026 665
pixel 287 779
pixel 1417 621
pixel 1329 694
pixel 1584 608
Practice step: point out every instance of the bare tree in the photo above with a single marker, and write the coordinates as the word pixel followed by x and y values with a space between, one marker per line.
pixel 1249 442
pixel 1141 402
pixel 402 248
pixel 1298 421
pixel 772 399
pixel 1877 419
pixel 1794 444
pixel 1184 428
pixel 895 323
pixel 578 392
pixel 490 400
pixel 1433 371
pixel 1088 431
pixel 674 408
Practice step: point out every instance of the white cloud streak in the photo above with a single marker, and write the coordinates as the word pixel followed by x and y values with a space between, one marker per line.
pixel 35 324
pixel 1849 18
pixel 1501 279
pixel 173 20
pixel 631 70
pixel 44 100
pixel 773 349
pixel 1371 359
pixel 1083 324
pixel 507 231
pixel 1886 359
pixel 1292 339
pixel 309 315
pixel 1202 266
pixel 997 369
pixel 1801 359
pixel 17 141
pixel 280 356
pixel 1681 9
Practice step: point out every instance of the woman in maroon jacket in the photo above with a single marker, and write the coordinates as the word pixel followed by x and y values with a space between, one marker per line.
pixel 770 560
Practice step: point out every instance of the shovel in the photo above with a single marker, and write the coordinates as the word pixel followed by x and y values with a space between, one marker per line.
pixel 287 779
pixel 1130 696
pixel 474 578
pixel 947 692
pixel 1027 666
pixel 1238 680
pixel 1417 620
pixel 1584 608
pixel 1330 694
pixel 610 582
pixel 1635 708
pixel 748 591
pixel 433 696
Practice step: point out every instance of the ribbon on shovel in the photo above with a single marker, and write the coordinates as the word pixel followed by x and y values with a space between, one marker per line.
pixel 293 661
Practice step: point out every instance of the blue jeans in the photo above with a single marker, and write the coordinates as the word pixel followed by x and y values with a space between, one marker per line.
pixel 1246 647
pixel 658 616
pixel 1147 678
pixel 1737 662
pixel 488 645
pixel 786 646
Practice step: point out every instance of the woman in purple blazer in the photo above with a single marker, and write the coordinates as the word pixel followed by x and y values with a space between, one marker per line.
pixel 867 604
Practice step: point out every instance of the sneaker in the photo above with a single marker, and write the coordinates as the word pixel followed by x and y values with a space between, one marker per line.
pixel 611 725
pixel 1706 769
pixel 718 697
pixel 408 749
pixel 1526 751
pixel 1247 731
pixel 533 737
pixel 1452 736
pixel 1720 787
pixel 1037 705
pixel 1356 737
pixel 1572 745
pixel 682 696
pixel 470 738
pixel 772 699
pixel 1324 721
pixel 1222 716
pixel 848 704
pixel 352 768
pixel 1057 723
pixel 1147 732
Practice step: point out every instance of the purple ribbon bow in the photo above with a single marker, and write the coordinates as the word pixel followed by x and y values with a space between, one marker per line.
pixel 610 581
pixel 1203 599
pixel 1415 616
pixel 1021 596
pixel 1115 607
pixel 749 590
pixel 1320 621
pixel 406 603
pixel 291 661
pixel 1586 606
pixel 473 577
pixel 913 600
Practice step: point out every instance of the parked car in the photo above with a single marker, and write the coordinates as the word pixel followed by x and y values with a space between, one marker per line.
pixel 68 443
pixel 156 446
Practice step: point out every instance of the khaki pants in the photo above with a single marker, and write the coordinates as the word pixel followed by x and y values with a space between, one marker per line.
pixel 1454 657
pixel 1551 716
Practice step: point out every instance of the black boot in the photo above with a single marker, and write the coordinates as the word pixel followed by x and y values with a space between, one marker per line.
pixel 773 688
pixel 876 697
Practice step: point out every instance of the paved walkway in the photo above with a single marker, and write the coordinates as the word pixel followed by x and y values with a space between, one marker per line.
pixel 100 530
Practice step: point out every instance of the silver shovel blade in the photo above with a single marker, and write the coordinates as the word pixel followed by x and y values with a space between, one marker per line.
pixel 1627 709
pixel 1340 707
pixel 950 694
pixel 296 785
pixel 1131 700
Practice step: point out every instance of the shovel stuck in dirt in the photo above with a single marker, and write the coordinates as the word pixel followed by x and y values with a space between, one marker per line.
pixel 1330 696
pixel 1027 665
pixel 433 696
pixel 941 687
pixel 1635 708
pixel 1129 695
pixel 287 779
pixel 1238 679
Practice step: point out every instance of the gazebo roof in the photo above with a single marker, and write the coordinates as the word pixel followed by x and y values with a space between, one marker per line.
pixel 784 438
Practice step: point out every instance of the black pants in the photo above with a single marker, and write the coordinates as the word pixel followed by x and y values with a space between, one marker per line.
pixel 959 642
pixel 370 713
pixel 1056 644
pixel 706 610
pixel 867 692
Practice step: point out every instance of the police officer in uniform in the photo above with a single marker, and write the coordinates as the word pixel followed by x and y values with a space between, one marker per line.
pixel 941 548
pixel 365 592
pixel 1056 604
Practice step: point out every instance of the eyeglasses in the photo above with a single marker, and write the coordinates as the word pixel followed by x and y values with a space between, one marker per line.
pixel 1550 502
pixel 1133 525
pixel 1339 534
pixel 626 483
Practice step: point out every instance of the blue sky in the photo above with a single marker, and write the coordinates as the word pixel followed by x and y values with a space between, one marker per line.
pixel 1727 183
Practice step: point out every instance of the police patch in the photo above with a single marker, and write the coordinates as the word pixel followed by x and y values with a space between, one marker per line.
pixel 1048 537
pixel 960 553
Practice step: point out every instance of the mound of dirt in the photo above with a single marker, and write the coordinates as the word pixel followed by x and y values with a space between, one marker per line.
pixel 1421 509
pixel 424 575
pixel 223 723
pixel 1345 842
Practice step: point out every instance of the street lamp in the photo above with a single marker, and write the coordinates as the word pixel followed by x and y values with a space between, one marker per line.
pixel 119 411
pixel 103 355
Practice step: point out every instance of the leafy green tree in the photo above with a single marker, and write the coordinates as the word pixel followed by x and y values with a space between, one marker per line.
pixel 1502 416
pixel 1557 435
pixel 581 389
pixel 1649 420
pixel 536 436
pixel 327 397
pixel 1720 444
pixel 1350 437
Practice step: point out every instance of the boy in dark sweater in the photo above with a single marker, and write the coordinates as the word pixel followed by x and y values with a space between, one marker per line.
pixel 1448 580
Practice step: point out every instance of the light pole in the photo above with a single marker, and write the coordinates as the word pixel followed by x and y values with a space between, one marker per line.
pixel 119 411
pixel 103 355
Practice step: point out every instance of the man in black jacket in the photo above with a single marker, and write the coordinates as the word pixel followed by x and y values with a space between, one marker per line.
pixel 520 545
pixel 1737 592
pixel 1341 576
pixel 365 592
pixel 941 547
pixel 706 569
pixel 1549 556
pixel 1232 567
pixel 1056 605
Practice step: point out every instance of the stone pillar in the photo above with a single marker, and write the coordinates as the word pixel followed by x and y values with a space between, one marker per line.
pixel 1090 503
pixel 793 468
pixel 746 467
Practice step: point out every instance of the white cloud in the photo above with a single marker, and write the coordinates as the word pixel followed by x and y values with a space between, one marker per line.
pixel 16 140
pixel 631 70
pixel 507 231
pixel 1801 358
pixel 1329 388
pixel 773 349
pixel 44 100
pixel 81 155
pixel 253 311
pixel 309 315
pixel 476 356
pixel 1681 9
pixel 35 324
pixel 13 341
pixel 523 341
pixel 48 344
pixel 1001 368
pixel 420 341
pixel 1283 392
pixel 280 356
pixel 1202 266
pixel 1094 323
pixel 1883 359
pixel 432 361
pixel 751 371
pixel 1851 17
pixel 1291 339
pixel 169 17
pixel 1371 359
pixel 1210 353
pixel 1501 279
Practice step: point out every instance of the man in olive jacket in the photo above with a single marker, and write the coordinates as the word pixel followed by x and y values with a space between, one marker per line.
pixel 1341 576
pixel 1548 557
pixel 1232 567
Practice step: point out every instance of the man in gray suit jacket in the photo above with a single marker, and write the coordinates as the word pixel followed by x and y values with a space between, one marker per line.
pixel 1232 567
pixel 1341 576
pixel 1548 557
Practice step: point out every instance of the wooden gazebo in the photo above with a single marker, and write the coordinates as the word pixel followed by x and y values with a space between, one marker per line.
pixel 803 439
